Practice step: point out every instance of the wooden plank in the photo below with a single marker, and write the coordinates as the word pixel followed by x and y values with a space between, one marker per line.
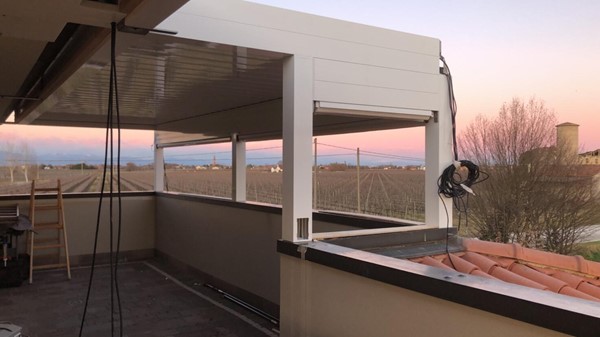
pixel 49 246
pixel 48 225
pixel 45 240
pixel 47 189
pixel 46 207
pixel 50 266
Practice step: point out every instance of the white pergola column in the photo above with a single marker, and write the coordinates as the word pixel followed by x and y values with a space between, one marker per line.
pixel 159 167
pixel 297 148
pixel 438 156
pixel 238 170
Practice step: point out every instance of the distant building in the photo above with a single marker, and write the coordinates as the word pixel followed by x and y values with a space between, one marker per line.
pixel 590 157
pixel 276 169
pixel 568 134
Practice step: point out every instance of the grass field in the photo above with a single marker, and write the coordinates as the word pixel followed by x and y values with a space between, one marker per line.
pixel 393 193
pixel 589 250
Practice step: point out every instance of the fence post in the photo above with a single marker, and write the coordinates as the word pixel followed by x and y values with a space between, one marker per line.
pixel 316 170
pixel 358 179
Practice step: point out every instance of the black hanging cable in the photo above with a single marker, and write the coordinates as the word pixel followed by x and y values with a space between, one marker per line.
pixel 451 184
pixel 119 206
pixel 110 199
pixel 98 214
pixel 447 231
pixel 109 141
pixel 453 105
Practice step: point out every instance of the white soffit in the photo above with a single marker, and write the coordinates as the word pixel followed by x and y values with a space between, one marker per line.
pixel 163 82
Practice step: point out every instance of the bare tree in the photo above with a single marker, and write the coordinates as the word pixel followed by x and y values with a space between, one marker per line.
pixel 16 156
pixel 28 159
pixel 12 158
pixel 534 195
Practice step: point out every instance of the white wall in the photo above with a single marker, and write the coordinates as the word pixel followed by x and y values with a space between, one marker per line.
pixel 80 219
pixel 234 245
pixel 323 301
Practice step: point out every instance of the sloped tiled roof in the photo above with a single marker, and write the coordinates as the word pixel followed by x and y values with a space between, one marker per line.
pixel 567 275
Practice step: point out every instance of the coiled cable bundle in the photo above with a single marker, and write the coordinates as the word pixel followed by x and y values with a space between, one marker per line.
pixel 452 185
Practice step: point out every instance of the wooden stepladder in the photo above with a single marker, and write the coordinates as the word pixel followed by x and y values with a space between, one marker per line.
pixel 48 241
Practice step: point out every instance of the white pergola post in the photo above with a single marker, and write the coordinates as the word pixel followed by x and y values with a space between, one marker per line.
pixel 438 156
pixel 159 167
pixel 238 170
pixel 297 148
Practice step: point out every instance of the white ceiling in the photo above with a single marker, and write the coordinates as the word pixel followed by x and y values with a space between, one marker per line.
pixel 163 79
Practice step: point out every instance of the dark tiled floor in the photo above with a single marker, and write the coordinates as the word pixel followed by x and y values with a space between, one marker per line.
pixel 152 303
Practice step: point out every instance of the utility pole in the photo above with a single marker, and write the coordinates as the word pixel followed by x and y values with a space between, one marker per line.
pixel 316 170
pixel 358 179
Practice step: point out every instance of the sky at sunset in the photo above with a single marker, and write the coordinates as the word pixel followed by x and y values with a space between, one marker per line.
pixel 496 50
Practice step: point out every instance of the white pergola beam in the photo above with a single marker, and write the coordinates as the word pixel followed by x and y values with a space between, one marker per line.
pixel 438 155
pixel 297 148
pixel 159 167
pixel 238 153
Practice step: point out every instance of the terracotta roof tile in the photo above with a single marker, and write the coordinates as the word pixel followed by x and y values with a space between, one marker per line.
pixel 568 275
pixel 576 293
pixel 516 251
pixel 552 283
pixel 481 261
pixel 595 282
pixel 428 260
pixel 459 264
pixel 570 279
pixel 589 289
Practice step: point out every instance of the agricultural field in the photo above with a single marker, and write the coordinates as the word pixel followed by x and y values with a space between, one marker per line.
pixel 75 181
pixel 392 193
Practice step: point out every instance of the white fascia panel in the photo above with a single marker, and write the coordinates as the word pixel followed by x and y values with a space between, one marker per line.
pixel 375 76
pixel 374 96
pixel 263 27
pixel 369 85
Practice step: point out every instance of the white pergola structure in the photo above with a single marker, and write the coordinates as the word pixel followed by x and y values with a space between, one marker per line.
pixel 337 77
pixel 238 71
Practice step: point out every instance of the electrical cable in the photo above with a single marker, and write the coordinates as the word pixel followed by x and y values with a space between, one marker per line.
pixel 451 184
pixel 102 187
pixel 447 231
pixel 109 142
pixel 110 199
pixel 453 105
pixel 119 200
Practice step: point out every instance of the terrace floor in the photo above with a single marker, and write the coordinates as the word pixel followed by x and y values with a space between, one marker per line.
pixel 154 303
